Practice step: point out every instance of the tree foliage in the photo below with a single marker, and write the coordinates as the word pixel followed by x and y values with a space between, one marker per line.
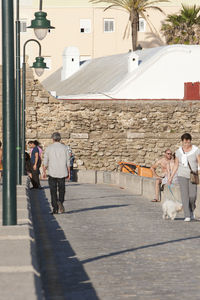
pixel 183 28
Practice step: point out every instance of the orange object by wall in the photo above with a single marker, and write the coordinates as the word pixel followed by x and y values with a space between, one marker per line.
pixel 145 171
pixel 127 167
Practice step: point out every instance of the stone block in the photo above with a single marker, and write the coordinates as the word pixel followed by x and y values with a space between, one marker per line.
pixel 87 176
pixel 148 188
pixel 115 178
pixel 23 285
pixel 17 252
pixel 131 182
pixel 41 100
pixel 107 177
pixel 100 176
pixel 135 135
pixel 79 136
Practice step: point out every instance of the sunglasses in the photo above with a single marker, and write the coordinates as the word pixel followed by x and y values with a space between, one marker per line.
pixel 169 153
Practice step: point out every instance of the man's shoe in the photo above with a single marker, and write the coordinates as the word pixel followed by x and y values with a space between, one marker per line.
pixel 192 216
pixel 34 188
pixel 54 211
pixel 61 207
pixel 187 219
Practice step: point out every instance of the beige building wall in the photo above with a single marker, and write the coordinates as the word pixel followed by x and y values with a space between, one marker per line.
pixel 66 16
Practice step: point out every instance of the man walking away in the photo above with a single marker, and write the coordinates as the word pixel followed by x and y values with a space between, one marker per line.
pixel 57 160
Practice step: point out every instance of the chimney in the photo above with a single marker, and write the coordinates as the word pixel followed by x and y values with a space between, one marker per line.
pixel 133 61
pixel 71 62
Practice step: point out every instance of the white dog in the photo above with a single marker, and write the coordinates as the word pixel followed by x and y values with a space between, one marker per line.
pixel 170 209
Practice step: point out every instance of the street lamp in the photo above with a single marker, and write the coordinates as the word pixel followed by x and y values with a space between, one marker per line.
pixel 40 24
pixel 18 97
pixel 8 114
pixel 39 65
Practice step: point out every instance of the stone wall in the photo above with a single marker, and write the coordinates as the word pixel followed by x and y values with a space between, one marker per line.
pixel 103 132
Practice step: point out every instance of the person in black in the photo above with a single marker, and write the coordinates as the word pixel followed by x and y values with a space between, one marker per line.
pixel 35 165
pixel 28 167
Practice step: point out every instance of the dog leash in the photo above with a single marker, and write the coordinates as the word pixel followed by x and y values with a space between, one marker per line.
pixel 169 187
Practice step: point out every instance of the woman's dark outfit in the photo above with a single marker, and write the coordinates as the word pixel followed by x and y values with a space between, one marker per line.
pixel 35 173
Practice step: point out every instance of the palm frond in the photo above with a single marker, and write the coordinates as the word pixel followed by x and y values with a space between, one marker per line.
pixel 127 30
pixel 151 26
pixel 156 8
pixel 110 6
pixel 148 4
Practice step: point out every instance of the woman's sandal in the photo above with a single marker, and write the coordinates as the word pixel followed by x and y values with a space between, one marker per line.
pixel 155 200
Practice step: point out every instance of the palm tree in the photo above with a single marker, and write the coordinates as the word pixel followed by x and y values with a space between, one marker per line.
pixel 183 28
pixel 135 8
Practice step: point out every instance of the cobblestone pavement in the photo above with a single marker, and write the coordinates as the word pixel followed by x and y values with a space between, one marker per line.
pixel 112 245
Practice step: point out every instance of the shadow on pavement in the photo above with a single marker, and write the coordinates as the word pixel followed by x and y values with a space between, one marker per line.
pixel 95 208
pixel 102 197
pixel 46 186
pixel 63 275
pixel 138 248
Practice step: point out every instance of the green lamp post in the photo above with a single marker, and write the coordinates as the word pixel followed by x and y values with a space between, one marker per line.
pixel 8 113
pixel 18 96
pixel 40 24
pixel 39 65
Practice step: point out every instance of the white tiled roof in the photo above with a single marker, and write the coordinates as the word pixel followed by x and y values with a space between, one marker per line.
pixel 108 77
pixel 99 75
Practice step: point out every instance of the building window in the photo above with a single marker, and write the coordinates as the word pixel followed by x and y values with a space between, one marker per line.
pixel 23 25
pixel 142 25
pixel 85 25
pixel 108 25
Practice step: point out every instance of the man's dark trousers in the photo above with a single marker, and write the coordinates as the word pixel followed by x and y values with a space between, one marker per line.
pixel 57 184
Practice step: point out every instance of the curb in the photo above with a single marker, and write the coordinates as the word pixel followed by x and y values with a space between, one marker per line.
pixel 20 277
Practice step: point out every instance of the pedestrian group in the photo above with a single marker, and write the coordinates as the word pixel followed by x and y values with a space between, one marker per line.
pixel 58 161
pixel 182 168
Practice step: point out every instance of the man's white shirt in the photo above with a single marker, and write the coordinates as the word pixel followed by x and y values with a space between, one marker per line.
pixel 57 160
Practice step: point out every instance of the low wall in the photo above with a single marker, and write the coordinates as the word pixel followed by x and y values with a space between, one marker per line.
pixel 20 275
pixel 141 186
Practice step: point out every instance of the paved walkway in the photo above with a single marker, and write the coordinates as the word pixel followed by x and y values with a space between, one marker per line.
pixel 111 245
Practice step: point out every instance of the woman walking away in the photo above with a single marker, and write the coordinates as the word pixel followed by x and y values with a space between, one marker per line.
pixel 187 161
pixel 35 165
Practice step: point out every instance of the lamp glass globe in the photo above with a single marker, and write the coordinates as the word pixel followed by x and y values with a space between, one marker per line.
pixel 40 33
pixel 39 71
